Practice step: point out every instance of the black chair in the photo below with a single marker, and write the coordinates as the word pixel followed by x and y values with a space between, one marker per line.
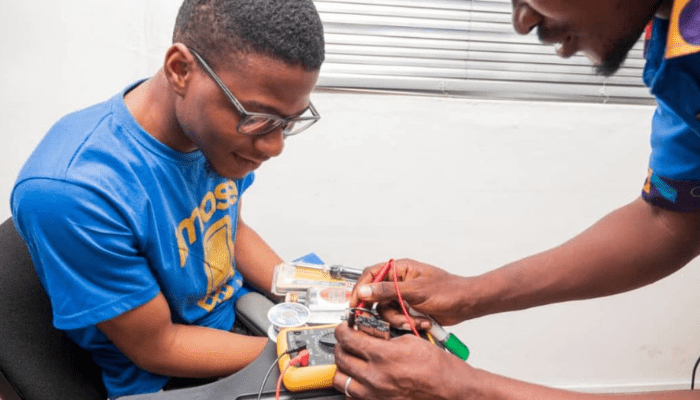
pixel 39 362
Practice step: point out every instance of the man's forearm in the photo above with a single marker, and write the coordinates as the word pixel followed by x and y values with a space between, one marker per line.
pixel 629 248
pixel 255 258
pixel 153 342
pixel 200 352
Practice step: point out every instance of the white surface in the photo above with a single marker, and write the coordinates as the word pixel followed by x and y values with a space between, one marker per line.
pixel 466 185
pixel 470 186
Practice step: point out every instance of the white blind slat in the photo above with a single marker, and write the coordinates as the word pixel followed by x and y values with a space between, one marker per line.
pixel 549 76
pixel 458 47
pixel 403 55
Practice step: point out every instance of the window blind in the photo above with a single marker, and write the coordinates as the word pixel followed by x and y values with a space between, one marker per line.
pixel 460 48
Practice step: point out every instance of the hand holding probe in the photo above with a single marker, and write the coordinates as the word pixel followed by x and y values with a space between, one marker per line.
pixel 377 278
pixel 447 339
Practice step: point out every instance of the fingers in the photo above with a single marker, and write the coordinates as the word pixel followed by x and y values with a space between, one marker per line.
pixel 370 273
pixel 349 386
pixel 391 313
pixel 354 343
pixel 350 358
pixel 376 292
pixel 383 369
pixel 339 381
pixel 385 293
pixel 404 272
pixel 366 278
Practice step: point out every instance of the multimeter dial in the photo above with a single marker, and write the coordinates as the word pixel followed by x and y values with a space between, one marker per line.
pixel 320 343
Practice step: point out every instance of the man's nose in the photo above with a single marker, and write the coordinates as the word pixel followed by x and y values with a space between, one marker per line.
pixel 524 17
pixel 271 144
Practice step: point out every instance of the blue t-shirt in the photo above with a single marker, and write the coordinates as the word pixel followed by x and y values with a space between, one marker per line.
pixel 112 217
pixel 672 73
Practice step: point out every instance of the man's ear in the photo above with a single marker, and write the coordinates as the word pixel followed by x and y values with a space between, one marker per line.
pixel 179 67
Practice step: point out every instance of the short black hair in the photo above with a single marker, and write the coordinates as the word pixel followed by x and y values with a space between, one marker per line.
pixel 219 30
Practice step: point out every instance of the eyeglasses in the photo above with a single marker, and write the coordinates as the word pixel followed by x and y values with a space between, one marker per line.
pixel 256 124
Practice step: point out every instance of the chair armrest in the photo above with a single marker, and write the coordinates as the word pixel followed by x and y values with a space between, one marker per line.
pixel 251 310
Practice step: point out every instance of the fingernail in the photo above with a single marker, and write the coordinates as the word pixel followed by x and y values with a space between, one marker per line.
pixel 425 325
pixel 365 291
pixel 406 327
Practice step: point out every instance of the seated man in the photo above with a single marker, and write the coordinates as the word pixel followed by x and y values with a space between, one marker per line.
pixel 131 208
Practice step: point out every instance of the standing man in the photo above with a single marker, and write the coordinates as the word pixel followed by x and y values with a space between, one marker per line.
pixel 638 244
pixel 131 208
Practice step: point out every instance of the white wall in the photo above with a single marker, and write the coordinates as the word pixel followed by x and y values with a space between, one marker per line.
pixel 467 185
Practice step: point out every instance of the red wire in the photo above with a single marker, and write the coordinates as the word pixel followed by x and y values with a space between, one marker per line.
pixel 301 358
pixel 279 382
pixel 403 307
pixel 378 278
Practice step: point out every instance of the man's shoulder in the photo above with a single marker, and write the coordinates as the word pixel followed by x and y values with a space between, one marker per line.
pixel 92 144
pixel 63 144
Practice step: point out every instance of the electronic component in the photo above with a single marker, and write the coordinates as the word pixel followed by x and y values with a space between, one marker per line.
pixel 299 276
pixel 320 342
pixel 326 303
pixel 335 271
pixel 369 322
pixel 339 271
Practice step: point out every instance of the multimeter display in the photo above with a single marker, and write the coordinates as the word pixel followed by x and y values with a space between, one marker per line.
pixel 319 341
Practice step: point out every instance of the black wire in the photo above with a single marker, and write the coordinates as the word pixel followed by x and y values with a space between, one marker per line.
pixel 695 368
pixel 267 375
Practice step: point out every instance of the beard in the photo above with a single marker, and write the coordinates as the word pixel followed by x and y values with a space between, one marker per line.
pixel 618 48
pixel 613 60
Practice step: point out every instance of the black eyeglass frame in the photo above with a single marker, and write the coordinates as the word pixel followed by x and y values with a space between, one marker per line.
pixel 277 121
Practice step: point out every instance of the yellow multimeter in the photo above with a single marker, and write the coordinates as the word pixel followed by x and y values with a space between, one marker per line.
pixel 319 341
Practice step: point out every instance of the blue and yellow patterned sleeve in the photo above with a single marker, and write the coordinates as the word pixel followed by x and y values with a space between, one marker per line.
pixel 673 180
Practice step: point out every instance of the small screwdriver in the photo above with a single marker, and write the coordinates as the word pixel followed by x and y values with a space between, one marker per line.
pixel 335 271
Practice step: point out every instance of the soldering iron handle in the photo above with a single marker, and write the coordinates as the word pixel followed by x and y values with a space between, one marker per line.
pixel 338 271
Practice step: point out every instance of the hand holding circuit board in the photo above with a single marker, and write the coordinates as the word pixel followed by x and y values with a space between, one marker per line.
pixel 318 342
pixel 369 321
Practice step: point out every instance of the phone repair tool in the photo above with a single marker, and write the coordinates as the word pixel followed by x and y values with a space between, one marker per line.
pixel 447 339
pixel 339 271
pixel 320 342
pixel 299 276
pixel 335 271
